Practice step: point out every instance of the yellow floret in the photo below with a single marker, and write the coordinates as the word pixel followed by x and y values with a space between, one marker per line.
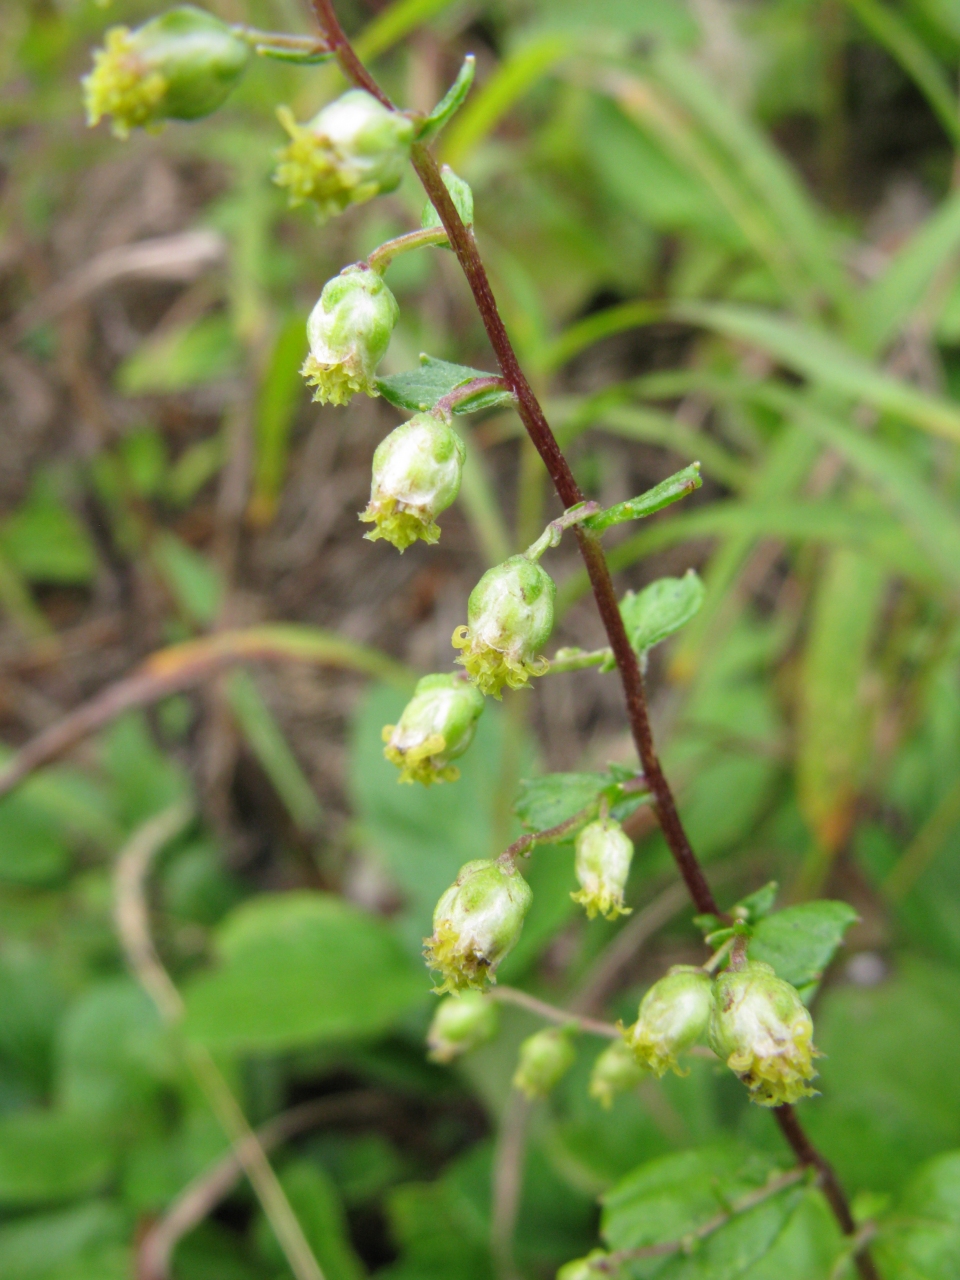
pixel 120 85
pixel 490 669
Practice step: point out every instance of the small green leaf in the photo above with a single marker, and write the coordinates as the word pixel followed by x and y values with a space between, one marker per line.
pixel 758 904
pixel 51 1155
pixel 660 609
pixel 546 802
pixel 190 577
pixel 45 542
pixel 36 1247
pixel 299 57
pixel 668 1199
pixel 298 968
pixel 419 389
pixel 462 198
pixel 800 941
pixel 198 353
pixel 655 499
pixel 450 103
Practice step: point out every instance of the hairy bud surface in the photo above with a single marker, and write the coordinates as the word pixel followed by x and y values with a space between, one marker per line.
pixel 476 923
pixel 416 475
pixel 673 1016
pixel 509 619
pixel 437 726
pixel 604 852
pixel 349 331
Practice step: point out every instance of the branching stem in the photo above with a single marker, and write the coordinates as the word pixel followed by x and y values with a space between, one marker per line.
pixel 464 245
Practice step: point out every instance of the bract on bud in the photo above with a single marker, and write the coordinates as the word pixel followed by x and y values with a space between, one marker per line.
pixel 603 855
pixel 673 1016
pixel 476 923
pixel 545 1058
pixel 349 331
pixel 437 725
pixel 509 618
pixel 460 1024
pixel 585 1268
pixel 179 66
pixel 615 1071
pixel 351 151
pixel 416 475
pixel 764 1033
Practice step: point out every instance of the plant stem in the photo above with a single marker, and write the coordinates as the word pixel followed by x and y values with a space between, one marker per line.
pixel 464 245
pixel 550 1013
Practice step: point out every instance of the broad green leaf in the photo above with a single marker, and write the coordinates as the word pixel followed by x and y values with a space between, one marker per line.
pixel 34 1248
pixel 449 104
pixel 33 848
pixel 921 1239
pixel 833 721
pixel 827 362
pixel 200 352
pixel 315 1201
pixel 439 1233
pixel 671 1198
pixel 267 742
pixel 799 942
pixel 553 798
pixel 660 609
pixel 891 1053
pixel 52 1155
pixel 143 779
pixel 420 389
pixel 298 968
pixel 45 542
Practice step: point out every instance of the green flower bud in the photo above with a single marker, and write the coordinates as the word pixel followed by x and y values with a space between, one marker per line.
pixel 509 618
pixel 584 1268
pixel 179 66
pixel 615 1071
pixel 349 331
pixel 764 1033
pixel 460 1024
pixel 351 151
pixel 476 923
pixel 416 475
pixel 545 1058
pixel 437 725
pixel 673 1015
pixel 603 855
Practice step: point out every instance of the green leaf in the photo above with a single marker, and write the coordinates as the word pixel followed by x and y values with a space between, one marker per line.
pixel 34 1248
pixel 462 198
pixel 45 541
pixel 655 499
pixel 32 845
pixel 298 57
pixel 450 103
pixel 669 1199
pixel 193 581
pixel 547 801
pixel 921 1239
pixel 298 968
pixel 200 352
pixel 799 942
pixel 52 1155
pixel 420 389
pixel 656 612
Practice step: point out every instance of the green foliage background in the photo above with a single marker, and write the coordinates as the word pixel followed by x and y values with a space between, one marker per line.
pixel 719 232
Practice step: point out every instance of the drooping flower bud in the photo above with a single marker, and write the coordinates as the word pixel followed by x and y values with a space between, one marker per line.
pixel 586 1268
pixel 545 1058
pixel 615 1071
pixel 179 66
pixel 603 855
pixel 349 331
pixel 673 1016
pixel 416 475
pixel 509 618
pixel 762 1030
pixel 476 923
pixel 351 151
pixel 437 725
pixel 460 1024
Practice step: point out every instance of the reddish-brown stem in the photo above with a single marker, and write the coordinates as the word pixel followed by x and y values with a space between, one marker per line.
pixel 463 243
